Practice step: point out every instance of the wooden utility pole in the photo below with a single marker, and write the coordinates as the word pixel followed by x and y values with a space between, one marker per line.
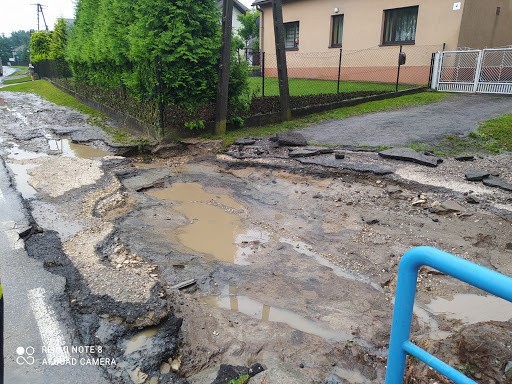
pixel 282 72
pixel 225 58
pixel 39 8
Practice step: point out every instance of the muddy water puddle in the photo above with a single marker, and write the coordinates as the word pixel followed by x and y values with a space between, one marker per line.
pixel 471 309
pixel 229 300
pixel 214 221
pixel 68 148
pixel 141 340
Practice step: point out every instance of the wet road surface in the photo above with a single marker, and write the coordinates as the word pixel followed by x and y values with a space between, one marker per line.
pixel 294 265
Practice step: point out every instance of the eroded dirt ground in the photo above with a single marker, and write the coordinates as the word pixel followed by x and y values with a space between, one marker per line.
pixel 294 262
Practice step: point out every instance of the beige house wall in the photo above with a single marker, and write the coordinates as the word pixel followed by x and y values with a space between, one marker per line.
pixel 437 23
pixel 481 27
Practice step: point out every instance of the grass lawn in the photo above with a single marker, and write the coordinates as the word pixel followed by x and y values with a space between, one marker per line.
pixel 48 91
pixel 340 113
pixel 299 87
pixel 492 136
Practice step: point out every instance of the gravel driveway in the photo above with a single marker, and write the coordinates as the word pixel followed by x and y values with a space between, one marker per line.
pixel 456 115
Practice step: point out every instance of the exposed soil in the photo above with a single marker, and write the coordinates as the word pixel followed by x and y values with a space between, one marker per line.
pixel 294 261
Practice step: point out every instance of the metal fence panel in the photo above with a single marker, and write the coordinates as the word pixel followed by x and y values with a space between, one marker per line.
pixel 475 71
pixel 342 70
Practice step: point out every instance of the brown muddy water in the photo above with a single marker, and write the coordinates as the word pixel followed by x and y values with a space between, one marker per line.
pixel 304 260
pixel 140 340
pixel 214 221
pixel 67 148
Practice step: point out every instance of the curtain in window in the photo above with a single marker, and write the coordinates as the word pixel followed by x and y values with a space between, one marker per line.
pixel 291 38
pixel 337 30
pixel 400 25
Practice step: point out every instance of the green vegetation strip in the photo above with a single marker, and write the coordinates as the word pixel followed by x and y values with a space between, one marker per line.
pixel 300 87
pixel 18 80
pixel 53 94
pixel 493 136
pixel 48 91
pixel 340 113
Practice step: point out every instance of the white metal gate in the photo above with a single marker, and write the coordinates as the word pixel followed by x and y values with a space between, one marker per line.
pixel 475 71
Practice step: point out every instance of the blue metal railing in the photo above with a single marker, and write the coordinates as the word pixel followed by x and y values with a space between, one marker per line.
pixel 399 344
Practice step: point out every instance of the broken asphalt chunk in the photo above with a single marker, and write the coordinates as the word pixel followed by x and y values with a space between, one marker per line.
pixel 476 175
pixel 184 284
pixel 339 155
pixel 145 178
pixel 357 167
pixel 493 181
pixel 446 207
pixel 309 151
pixel 292 139
pixel 407 154
pixel 244 141
pixel 465 158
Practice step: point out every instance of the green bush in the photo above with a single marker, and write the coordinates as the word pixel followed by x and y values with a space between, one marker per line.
pixel 40 43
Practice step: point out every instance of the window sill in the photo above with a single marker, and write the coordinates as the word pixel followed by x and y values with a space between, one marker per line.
pixel 397 44
pixel 334 46
pixel 291 49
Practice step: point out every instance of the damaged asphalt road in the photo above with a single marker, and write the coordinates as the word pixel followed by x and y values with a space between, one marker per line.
pixel 293 253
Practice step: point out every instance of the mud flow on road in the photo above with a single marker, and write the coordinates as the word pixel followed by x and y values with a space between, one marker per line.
pixel 293 262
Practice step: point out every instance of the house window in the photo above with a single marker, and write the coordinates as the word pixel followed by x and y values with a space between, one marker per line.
pixel 337 30
pixel 291 35
pixel 400 25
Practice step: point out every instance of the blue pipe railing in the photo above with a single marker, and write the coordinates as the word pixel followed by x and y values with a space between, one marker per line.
pixel 399 344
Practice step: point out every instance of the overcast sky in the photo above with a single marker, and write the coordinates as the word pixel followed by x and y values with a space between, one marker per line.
pixel 18 15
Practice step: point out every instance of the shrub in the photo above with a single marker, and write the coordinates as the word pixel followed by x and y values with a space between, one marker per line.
pixel 40 43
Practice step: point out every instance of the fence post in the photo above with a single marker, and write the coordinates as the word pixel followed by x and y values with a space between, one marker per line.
pixel 282 69
pixel 398 72
pixel 478 69
pixel 339 71
pixel 222 87
pixel 435 70
pixel 440 68
pixel 431 72
pixel 262 74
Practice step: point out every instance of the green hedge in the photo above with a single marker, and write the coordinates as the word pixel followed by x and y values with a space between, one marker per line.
pixel 156 50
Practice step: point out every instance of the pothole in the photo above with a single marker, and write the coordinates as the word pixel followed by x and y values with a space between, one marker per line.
pixel 141 340
pixel 70 149
pixel 229 300
pixel 214 222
